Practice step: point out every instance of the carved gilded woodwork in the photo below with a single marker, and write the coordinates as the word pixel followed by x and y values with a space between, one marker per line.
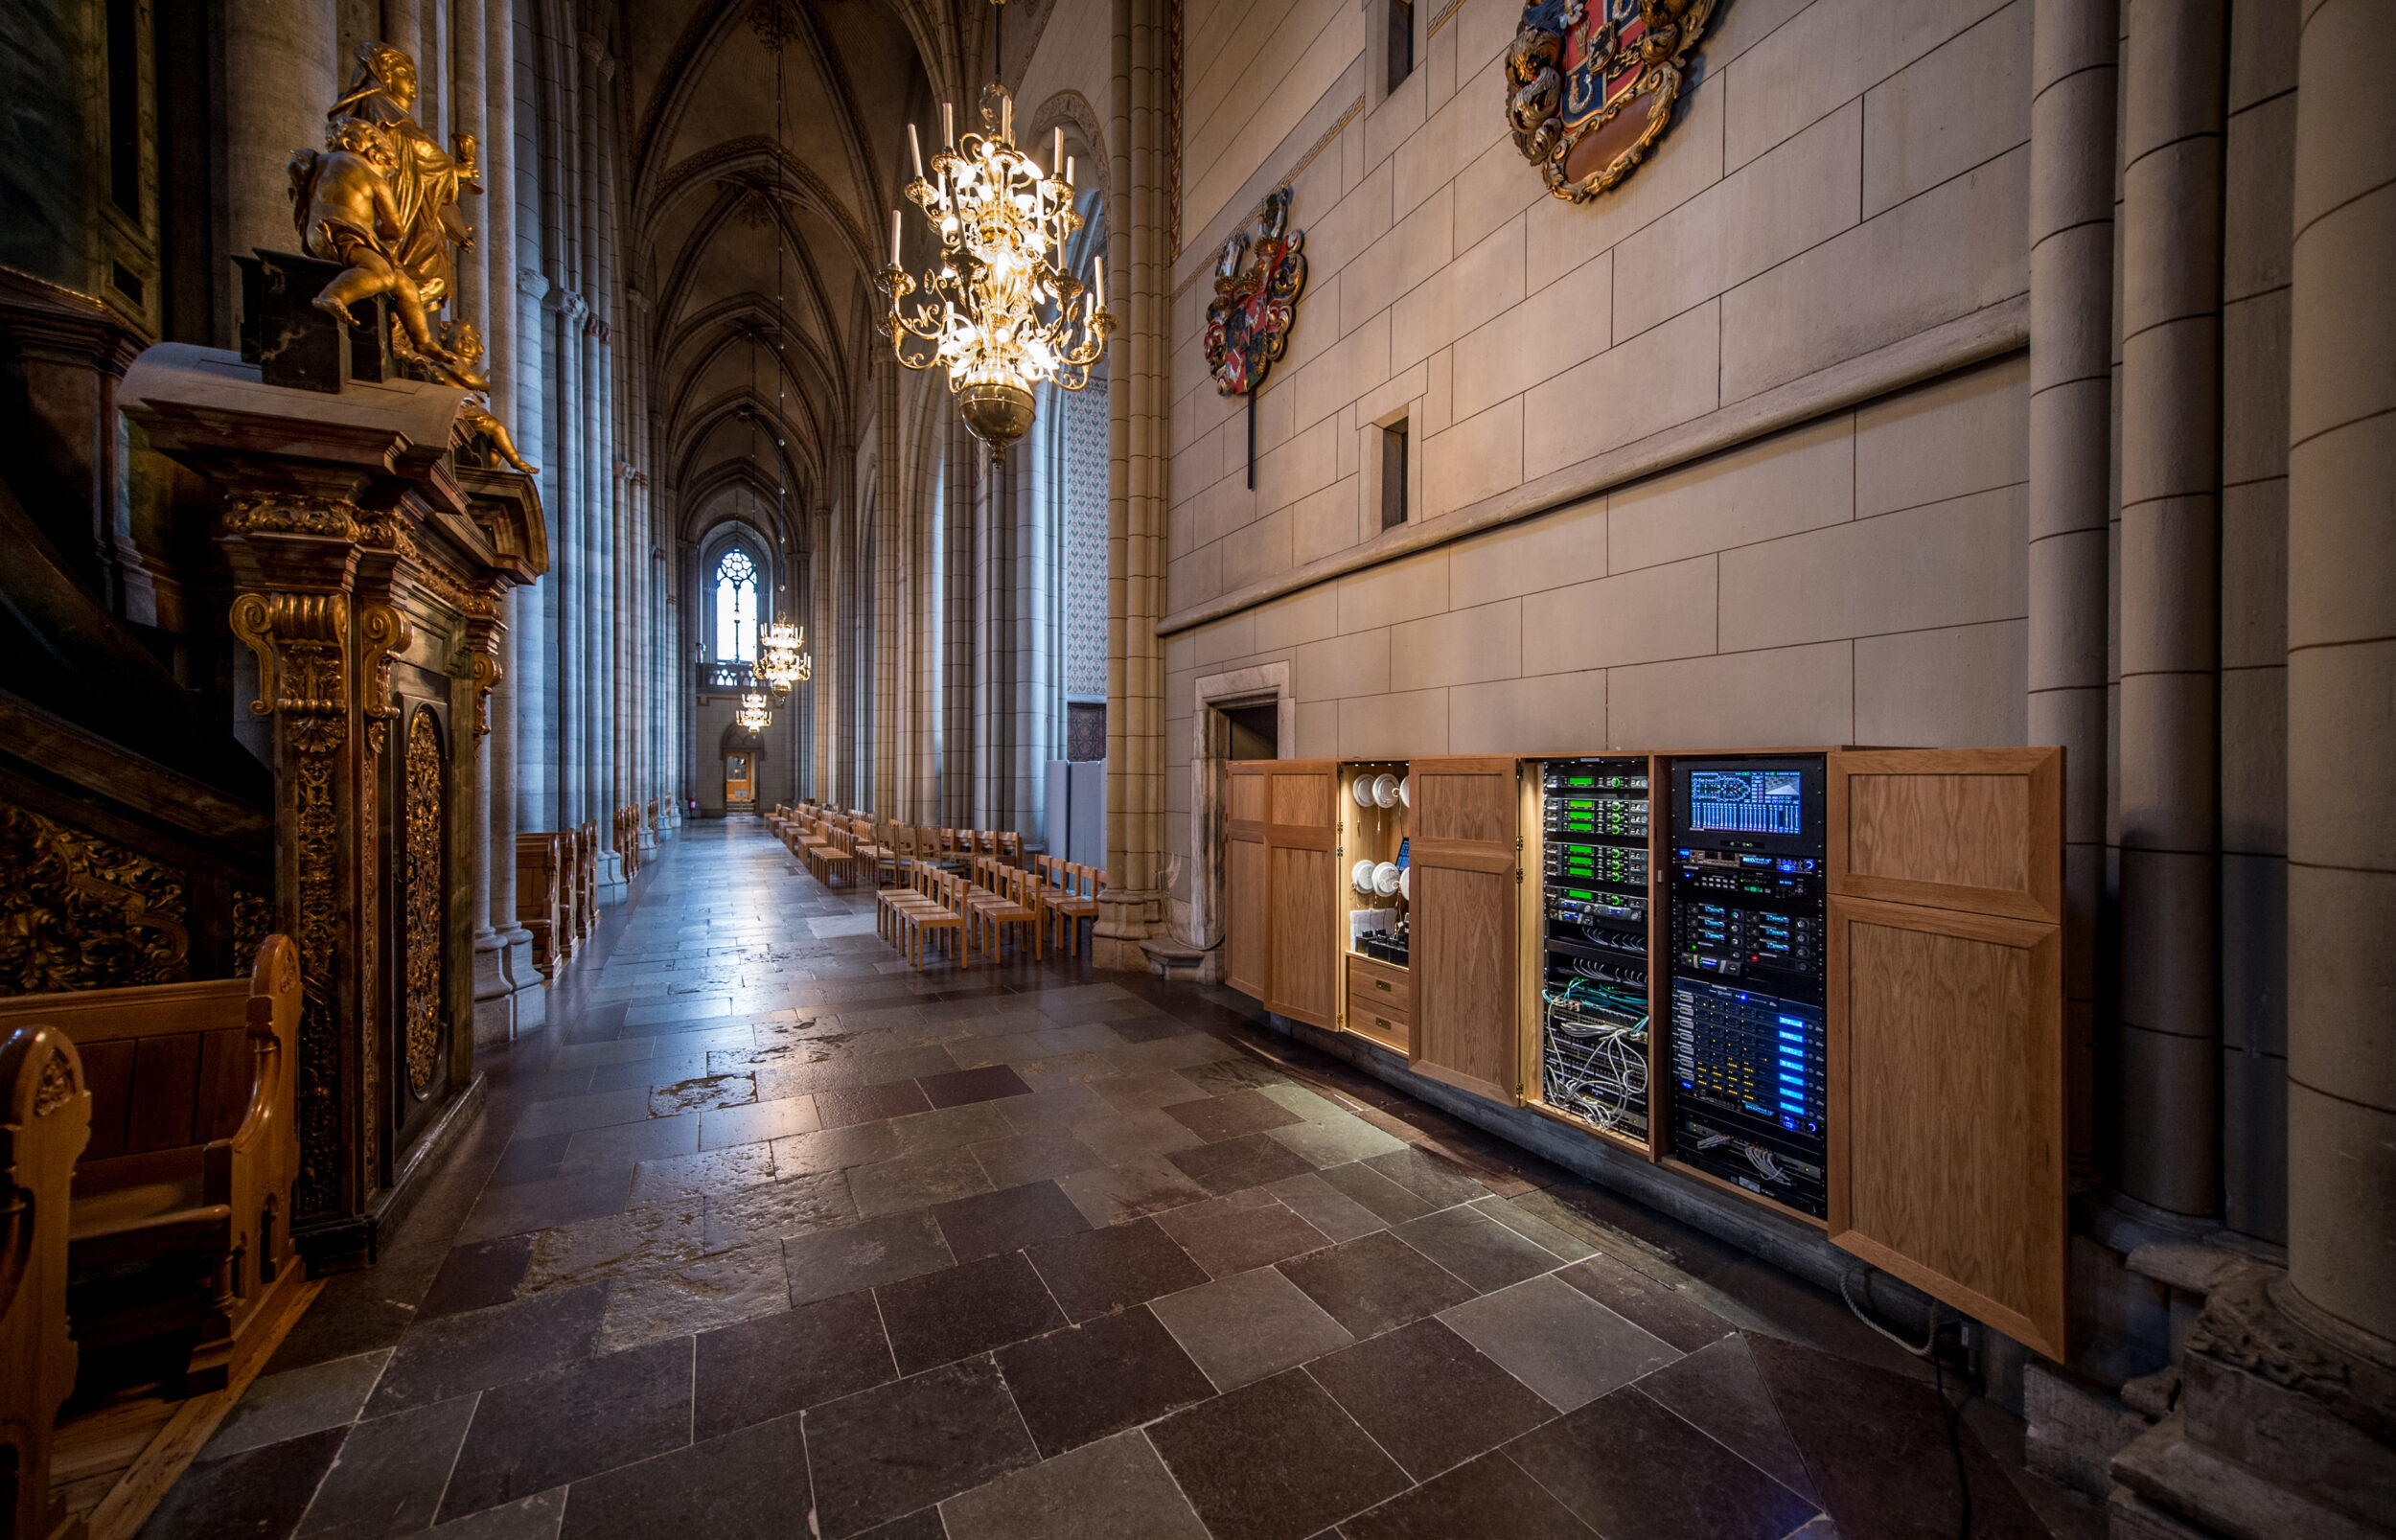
pixel 383 633
pixel 78 911
pixel 317 832
pixel 253 921
pixel 1591 85
pixel 301 641
pixel 427 835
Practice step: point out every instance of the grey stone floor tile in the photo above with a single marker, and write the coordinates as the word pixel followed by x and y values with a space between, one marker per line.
pixel 1242 1328
pixel 1113 1489
pixel 1558 1341
pixel 301 1400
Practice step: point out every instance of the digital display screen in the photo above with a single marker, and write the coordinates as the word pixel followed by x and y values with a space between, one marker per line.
pixel 1760 802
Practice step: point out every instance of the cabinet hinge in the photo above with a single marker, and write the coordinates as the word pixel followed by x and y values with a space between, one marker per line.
pixel 1518 877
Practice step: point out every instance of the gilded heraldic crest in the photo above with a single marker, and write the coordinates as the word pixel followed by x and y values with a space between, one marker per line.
pixel 1590 85
pixel 1248 320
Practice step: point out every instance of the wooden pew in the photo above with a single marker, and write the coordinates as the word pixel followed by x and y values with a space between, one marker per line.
pixel 45 1120
pixel 538 871
pixel 179 1237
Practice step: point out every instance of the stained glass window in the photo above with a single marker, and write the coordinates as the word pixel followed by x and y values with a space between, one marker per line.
pixel 736 607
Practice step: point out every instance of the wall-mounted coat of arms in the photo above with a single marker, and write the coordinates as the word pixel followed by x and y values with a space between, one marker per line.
pixel 1248 322
pixel 1590 85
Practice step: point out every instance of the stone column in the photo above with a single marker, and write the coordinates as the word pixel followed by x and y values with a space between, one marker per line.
pixel 2072 125
pixel 2342 675
pixel 1129 908
pixel 888 558
pixel 2174 88
pixel 280 75
pixel 958 451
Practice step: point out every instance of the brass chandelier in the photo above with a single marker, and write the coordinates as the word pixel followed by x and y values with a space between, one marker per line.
pixel 756 713
pixel 999 314
pixel 782 657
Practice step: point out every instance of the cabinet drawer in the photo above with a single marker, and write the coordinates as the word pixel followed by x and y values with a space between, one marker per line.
pixel 1390 1028
pixel 1377 986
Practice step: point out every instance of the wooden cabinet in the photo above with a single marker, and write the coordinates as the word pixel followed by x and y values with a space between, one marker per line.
pixel 1380 1002
pixel 1280 939
pixel 1465 923
pixel 1948 1165
pixel 1947 1086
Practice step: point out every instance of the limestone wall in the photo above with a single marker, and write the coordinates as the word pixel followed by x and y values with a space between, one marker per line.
pixel 1846 185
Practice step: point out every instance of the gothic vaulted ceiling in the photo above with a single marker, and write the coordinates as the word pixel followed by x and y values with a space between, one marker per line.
pixel 756 243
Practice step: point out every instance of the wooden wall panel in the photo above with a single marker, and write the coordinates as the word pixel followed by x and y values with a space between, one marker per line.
pixel 1305 947
pixel 1948 1165
pixel 1465 923
pixel 1972 829
pixel 1472 798
pixel 1247 913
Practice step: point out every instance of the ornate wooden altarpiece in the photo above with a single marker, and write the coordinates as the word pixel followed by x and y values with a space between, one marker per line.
pixel 369 559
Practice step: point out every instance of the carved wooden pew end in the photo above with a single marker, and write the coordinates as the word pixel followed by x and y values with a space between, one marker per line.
pixel 179 1235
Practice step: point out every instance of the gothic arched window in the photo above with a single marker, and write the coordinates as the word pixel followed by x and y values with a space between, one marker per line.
pixel 736 607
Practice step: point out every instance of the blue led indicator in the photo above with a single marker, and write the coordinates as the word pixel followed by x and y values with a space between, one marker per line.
pixel 1785 1020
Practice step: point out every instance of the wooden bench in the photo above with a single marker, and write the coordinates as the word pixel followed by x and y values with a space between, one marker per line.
pixel 179 1234
pixel 539 874
pixel 45 1120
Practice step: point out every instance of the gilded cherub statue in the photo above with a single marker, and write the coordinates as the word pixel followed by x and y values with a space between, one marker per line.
pixel 465 346
pixel 381 200
pixel 343 204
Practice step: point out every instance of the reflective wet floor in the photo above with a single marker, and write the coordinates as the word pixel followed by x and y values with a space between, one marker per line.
pixel 768 1235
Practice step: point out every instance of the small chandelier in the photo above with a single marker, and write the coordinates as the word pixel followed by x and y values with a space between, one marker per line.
pixel 756 713
pixel 782 659
pixel 999 314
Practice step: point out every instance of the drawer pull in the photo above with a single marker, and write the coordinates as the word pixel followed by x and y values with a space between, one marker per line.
pixel 1381 984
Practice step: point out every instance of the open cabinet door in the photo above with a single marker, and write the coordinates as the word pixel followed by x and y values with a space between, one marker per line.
pixel 1947 1157
pixel 1301 838
pixel 1246 957
pixel 1464 865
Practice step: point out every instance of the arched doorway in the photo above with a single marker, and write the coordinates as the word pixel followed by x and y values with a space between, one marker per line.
pixel 742 753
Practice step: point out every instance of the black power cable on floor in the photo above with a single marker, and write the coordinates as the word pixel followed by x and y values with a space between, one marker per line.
pixel 1950 1417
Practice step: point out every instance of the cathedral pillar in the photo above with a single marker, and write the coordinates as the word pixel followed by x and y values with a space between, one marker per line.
pixel 2072 125
pixel 281 64
pixel 2341 678
pixel 2172 212
pixel 1131 906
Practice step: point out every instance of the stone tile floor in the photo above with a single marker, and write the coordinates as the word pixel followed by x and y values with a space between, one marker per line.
pixel 766 1234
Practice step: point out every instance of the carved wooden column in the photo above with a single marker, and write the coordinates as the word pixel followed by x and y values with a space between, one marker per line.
pixel 369 565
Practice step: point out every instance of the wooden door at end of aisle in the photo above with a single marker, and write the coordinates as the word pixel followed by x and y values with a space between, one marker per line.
pixel 1466 869
pixel 1281 940
pixel 740 783
pixel 1949 1163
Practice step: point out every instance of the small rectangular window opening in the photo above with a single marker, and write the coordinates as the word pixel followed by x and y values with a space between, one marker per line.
pixel 1401 42
pixel 1394 475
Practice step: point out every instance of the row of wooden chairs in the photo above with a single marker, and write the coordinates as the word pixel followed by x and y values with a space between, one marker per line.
pixel 1049 897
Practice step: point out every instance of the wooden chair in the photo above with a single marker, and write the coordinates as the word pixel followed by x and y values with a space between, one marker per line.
pixel 837 859
pixel 1063 903
pixel 179 1234
pixel 945 915
pixel 993 908
pixel 45 1121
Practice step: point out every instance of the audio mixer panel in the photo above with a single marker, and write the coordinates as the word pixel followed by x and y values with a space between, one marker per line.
pixel 1595 990
pixel 1746 881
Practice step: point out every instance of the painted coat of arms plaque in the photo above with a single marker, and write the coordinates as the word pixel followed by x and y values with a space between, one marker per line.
pixel 1257 283
pixel 1590 85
